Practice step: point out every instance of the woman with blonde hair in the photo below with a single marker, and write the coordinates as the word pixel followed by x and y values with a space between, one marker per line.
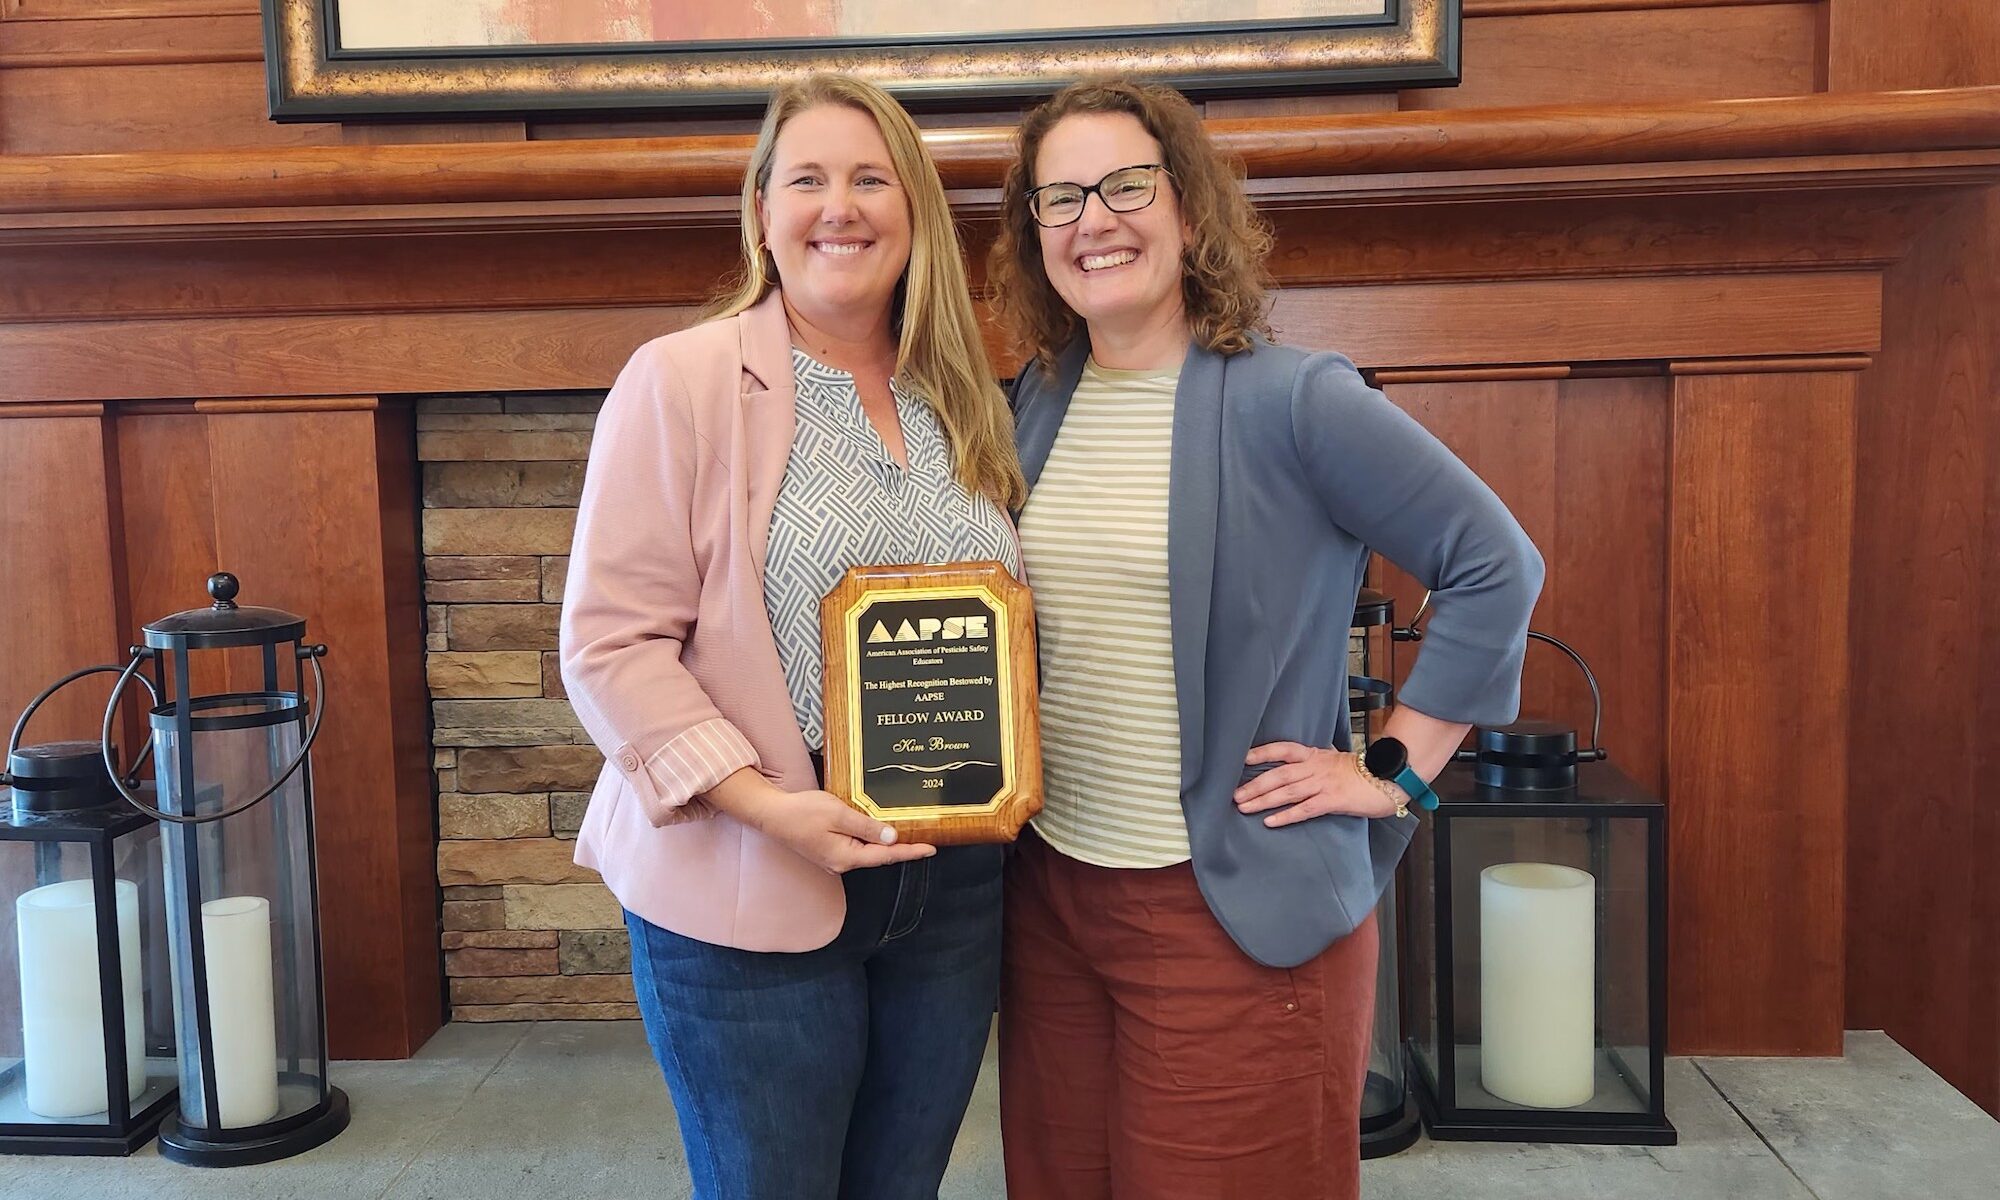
pixel 818 996
pixel 1190 942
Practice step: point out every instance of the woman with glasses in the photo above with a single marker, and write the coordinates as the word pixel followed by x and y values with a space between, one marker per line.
pixel 1190 943
pixel 818 996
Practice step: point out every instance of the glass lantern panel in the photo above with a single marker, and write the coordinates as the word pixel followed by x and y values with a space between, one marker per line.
pixel 1548 962
pixel 54 1038
pixel 1422 965
pixel 262 986
pixel 136 857
pixel 1386 1089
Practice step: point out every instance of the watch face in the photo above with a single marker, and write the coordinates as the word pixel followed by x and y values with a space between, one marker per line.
pixel 1385 758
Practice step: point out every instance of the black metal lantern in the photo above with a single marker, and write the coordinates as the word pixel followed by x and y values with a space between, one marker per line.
pixel 242 895
pixel 1389 1121
pixel 1538 930
pixel 86 1029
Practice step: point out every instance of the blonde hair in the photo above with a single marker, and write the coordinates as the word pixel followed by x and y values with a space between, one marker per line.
pixel 940 354
pixel 1223 281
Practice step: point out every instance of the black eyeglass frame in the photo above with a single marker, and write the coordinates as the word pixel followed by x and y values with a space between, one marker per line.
pixel 1096 189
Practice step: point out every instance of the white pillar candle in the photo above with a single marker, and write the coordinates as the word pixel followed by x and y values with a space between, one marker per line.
pixel 1537 989
pixel 62 1004
pixel 242 1015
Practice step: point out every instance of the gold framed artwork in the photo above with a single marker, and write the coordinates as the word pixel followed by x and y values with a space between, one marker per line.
pixel 329 59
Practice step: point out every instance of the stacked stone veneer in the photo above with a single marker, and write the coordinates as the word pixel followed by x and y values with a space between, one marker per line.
pixel 527 934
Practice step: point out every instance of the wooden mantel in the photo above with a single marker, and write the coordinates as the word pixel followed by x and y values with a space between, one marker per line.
pixel 1648 327
pixel 234 274
pixel 1860 128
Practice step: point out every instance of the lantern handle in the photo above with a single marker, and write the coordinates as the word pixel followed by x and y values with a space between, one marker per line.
pixel 21 724
pixel 311 654
pixel 1596 752
pixel 1412 632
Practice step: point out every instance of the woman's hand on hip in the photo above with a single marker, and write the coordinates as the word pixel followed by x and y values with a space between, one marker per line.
pixel 1309 782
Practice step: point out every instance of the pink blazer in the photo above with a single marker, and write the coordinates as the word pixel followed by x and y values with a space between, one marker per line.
pixel 667 649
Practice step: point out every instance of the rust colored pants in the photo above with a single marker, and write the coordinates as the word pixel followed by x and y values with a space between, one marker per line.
pixel 1143 1056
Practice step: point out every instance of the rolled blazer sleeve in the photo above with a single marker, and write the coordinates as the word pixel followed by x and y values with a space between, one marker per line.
pixel 631 597
pixel 1387 481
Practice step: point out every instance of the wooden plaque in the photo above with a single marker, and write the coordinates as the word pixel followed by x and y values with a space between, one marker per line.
pixel 930 689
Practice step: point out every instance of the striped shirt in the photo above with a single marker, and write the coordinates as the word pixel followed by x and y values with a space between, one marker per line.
pixel 1094 537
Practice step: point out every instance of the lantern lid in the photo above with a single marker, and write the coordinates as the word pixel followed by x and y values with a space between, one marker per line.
pixel 1526 756
pixel 223 623
pixel 1532 742
pixel 60 776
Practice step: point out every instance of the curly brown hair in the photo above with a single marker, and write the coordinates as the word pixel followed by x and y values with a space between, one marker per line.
pixel 1223 281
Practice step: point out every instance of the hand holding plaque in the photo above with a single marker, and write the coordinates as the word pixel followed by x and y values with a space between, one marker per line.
pixel 930 690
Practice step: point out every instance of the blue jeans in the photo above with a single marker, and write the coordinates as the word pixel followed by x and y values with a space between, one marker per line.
pixel 838 1072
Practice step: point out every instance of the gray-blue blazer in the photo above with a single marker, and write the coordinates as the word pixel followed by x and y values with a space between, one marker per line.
pixel 1287 469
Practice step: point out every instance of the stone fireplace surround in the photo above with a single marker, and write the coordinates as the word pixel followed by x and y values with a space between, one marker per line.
pixel 527 934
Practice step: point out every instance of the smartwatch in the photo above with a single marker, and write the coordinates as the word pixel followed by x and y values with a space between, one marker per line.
pixel 1388 760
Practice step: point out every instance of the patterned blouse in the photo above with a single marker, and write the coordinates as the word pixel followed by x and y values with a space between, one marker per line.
pixel 845 502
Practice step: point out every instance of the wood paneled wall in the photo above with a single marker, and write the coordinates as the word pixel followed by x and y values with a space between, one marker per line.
pixel 1759 531
pixel 1695 522
pixel 61 537
pixel 1744 527
pixel 1924 834
pixel 1583 463
pixel 125 510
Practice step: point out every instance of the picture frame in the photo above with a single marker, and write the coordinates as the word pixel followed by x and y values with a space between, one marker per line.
pixel 354 59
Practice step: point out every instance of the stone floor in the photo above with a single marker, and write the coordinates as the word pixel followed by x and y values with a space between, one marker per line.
pixel 494 1112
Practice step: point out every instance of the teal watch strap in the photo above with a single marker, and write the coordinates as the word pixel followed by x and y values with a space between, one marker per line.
pixel 1420 792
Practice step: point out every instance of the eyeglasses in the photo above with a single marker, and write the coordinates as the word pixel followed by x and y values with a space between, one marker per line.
pixel 1128 189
